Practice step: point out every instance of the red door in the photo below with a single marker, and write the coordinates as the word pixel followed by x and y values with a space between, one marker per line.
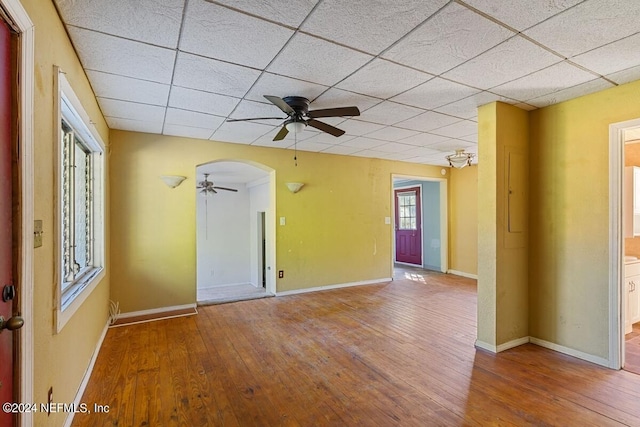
pixel 6 237
pixel 408 226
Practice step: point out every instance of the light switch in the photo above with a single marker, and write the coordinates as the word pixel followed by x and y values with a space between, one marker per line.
pixel 282 221
pixel 37 233
pixel 387 220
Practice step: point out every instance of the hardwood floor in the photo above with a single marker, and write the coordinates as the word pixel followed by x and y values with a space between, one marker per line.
pixel 400 353
pixel 632 350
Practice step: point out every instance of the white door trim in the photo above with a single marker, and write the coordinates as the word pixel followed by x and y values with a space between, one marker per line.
pixel 26 66
pixel 616 242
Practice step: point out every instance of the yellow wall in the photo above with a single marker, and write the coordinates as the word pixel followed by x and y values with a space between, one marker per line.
pixel 334 233
pixel 569 248
pixel 59 360
pixel 463 220
pixel 502 256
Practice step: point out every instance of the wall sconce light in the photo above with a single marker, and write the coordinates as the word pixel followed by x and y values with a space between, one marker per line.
pixel 294 187
pixel 173 181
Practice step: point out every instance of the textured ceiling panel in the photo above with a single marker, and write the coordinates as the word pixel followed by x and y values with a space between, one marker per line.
pixel 543 82
pixel 383 79
pixel 448 39
pixel 435 93
pixel 271 84
pixel 206 24
pixel 206 74
pixel 315 60
pixel 591 24
pixel 512 59
pixel 139 20
pixel 369 25
pixel 115 55
pixel 128 89
pixel 203 102
pixel 417 70
pixel 522 14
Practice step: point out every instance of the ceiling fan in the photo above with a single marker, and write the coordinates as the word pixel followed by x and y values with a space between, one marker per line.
pixel 207 187
pixel 298 116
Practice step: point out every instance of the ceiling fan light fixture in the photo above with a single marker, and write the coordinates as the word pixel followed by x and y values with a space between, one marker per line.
pixel 460 159
pixel 295 127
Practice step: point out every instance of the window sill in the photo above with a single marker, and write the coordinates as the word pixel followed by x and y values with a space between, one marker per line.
pixel 66 309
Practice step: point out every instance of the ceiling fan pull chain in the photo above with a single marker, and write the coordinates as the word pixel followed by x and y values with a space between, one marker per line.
pixel 295 148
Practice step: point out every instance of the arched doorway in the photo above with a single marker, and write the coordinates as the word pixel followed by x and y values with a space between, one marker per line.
pixel 235 233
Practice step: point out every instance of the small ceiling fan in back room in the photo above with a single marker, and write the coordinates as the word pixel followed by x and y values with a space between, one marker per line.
pixel 298 116
pixel 206 187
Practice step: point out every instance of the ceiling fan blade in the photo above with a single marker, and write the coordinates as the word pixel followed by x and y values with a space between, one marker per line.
pixel 279 102
pixel 325 127
pixel 225 188
pixel 283 132
pixel 256 118
pixel 334 112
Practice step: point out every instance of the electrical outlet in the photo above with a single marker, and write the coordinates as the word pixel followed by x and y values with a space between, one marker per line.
pixel 280 274
pixel 49 400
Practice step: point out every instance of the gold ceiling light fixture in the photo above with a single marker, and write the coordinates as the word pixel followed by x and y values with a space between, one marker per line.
pixel 460 159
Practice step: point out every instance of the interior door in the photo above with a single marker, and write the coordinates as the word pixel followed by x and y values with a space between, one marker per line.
pixel 408 225
pixel 6 228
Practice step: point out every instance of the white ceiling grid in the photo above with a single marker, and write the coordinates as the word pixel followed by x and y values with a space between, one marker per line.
pixel 416 69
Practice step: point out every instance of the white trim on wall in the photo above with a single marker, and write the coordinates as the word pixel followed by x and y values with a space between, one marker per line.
pixel 26 65
pixel 337 286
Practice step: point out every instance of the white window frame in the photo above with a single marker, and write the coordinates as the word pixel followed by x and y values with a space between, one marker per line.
pixel 69 108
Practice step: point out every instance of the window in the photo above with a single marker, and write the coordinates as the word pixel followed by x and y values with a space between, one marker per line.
pixel 80 205
pixel 407 210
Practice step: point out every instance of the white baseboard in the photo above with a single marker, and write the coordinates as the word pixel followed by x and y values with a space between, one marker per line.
pixel 570 351
pixel 486 346
pixel 338 286
pixel 501 347
pixel 155 311
pixel 204 288
pixel 463 274
pixel 87 375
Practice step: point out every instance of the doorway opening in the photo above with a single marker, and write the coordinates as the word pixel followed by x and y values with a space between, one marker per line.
pixel 419 222
pixel 235 233
pixel 625 244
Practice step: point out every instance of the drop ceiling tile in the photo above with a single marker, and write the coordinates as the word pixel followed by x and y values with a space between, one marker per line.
pixel 206 74
pixel 186 131
pixel 134 125
pixel 362 143
pixel 288 140
pixel 467 108
pixel 342 98
pixel 543 82
pixel 244 133
pixel 435 93
pixel 383 79
pixel 267 141
pixel 128 89
pixel 102 52
pixel 625 76
pixel 424 139
pixel 458 129
pixel 137 20
pixel 592 24
pixel 611 58
pixel 371 153
pixel 341 149
pixel 131 110
pixel 388 113
pixel 391 133
pixel 315 60
pixel 328 139
pixel 427 121
pixel 394 147
pixel 570 93
pixel 203 102
pixel 175 116
pixel 423 151
pixel 451 37
pixel 451 145
pixel 272 84
pixel 310 145
pixel 508 61
pixel 402 156
pixel 280 11
pixel 370 26
pixel 358 127
pixel 521 14
pixel 207 24
pixel 471 138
